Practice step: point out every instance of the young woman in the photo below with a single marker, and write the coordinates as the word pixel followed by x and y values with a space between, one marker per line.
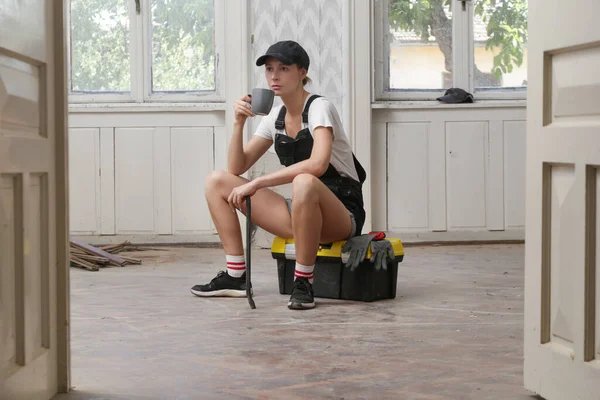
pixel 310 141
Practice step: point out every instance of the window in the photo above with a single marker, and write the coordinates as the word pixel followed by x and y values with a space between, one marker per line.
pixel 100 41
pixel 426 46
pixel 500 48
pixel 182 45
pixel 144 50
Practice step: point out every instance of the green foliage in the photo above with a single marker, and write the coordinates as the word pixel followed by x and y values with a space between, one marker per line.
pixel 182 45
pixel 506 30
pixel 414 15
pixel 506 25
pixel 100 46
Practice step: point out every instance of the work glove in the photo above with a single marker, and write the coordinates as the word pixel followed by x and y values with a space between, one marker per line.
pixel 381 252
pixel 357 247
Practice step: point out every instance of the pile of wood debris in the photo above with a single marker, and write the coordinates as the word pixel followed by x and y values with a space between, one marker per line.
pixel 93 258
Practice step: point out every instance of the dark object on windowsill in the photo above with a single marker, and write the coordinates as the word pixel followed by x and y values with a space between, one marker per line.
pixel 456 95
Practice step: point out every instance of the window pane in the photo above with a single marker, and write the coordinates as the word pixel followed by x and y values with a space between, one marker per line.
pixel 183 45
pixel 420 51
pixel 500 30
pixel 99 46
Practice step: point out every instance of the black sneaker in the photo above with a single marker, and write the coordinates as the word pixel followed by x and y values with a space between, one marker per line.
pixel 222 285
pixel 303 296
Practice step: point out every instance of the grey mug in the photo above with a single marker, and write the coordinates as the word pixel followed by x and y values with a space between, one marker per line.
pixel 262 101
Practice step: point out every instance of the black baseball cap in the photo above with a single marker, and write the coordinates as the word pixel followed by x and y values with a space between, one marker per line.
pixel 456 95
pixel 288 52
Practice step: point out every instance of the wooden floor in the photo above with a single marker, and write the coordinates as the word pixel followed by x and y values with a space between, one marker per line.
pixel 455 331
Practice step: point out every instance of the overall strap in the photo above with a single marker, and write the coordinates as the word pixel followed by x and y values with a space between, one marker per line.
pixel 308 103
pixel 362 174
pixel 280 122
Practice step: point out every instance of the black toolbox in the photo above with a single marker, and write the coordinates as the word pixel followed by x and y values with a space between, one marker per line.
pixel 333 280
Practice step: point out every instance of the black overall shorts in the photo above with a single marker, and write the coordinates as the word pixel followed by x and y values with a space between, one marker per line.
pixel 291 151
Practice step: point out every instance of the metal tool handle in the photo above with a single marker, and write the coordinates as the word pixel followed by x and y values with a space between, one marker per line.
pixel 248 254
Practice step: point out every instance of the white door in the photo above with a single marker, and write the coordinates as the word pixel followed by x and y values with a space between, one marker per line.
pixel 562 262
pixel 33 229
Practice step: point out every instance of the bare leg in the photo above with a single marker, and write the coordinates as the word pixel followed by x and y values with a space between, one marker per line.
pixel 318 216
pixel 269 211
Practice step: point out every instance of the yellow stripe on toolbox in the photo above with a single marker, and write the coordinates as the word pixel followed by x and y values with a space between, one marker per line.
pixel 333 250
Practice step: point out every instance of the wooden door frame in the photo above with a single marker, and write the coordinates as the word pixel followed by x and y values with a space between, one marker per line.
pixel 62 195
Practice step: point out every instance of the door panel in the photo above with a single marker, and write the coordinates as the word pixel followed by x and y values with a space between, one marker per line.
pixel 135 158
pixel 84 175
pixel 466 150
pixel 32 182
pixel 575 83
pixel 563 199
pixel 8 325
pixel 191 160
pixel 514 175
pixel 408 208
pixel 563 126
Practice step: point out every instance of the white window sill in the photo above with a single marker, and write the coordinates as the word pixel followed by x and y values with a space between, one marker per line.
pixel 434 104
pixel 145 107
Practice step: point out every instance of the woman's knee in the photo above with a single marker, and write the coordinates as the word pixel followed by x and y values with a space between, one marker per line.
pixel 304 186
pixel 217 179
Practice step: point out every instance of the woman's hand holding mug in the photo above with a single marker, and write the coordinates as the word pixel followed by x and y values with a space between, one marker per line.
pixel 243 108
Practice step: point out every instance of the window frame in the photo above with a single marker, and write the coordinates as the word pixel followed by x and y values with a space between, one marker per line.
pixel 140 53
pixel 462 58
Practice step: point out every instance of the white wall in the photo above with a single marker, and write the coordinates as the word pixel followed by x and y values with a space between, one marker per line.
pixel 456 173
pixel 141 175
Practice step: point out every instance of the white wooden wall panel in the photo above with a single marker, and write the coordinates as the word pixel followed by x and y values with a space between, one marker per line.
pixel 407 197
pixel 192 159
pixel 437 176
pixel 221 147
pixel 138 180
pixel 220 156
pixel 84 169
pixel 472 167
pixel 495 177
pixel 162 180
pixel 107 181
pixel 514 172
pixel 379 163
pixel 466 149
pixel 134 180
pixel 148 116
pixel 431 194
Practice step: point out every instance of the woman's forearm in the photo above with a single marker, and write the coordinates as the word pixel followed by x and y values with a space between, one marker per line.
pixel 236 160
pixel 287 175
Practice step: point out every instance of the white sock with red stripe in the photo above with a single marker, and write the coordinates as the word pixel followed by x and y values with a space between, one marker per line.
pixel 236 266
pixel 305 271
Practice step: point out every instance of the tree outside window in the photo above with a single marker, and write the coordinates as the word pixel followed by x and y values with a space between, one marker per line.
pixel 171 44
pixel 183 56
pixel 100 38
pixel 421 44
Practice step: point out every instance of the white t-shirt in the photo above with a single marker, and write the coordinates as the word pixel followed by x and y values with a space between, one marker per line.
pixel 321 113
